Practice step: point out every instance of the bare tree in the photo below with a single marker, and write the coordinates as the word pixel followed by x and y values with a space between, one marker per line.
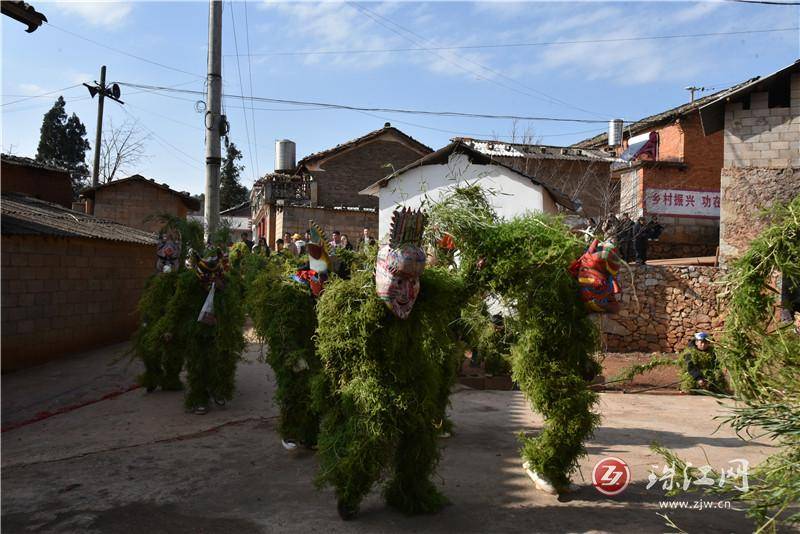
pixel 122 148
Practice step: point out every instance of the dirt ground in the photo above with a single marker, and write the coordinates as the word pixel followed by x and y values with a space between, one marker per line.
pixel 138 463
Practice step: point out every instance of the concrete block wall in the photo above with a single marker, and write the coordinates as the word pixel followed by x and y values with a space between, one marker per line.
pixel 662 308
pixel 685 237
pixel 65 295
pixel 762 136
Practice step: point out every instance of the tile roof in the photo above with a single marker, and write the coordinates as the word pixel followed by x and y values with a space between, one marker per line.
pixel 30 162
pixel 192 204
pixel 25 215
pixel 442 156
pixel 669 115
pixel 387 128
pixel 522 150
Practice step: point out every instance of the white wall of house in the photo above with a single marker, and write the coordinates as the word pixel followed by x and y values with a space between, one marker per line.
pixel 513 194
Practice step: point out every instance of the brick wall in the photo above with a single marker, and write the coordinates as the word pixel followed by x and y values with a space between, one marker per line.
pixel 349 222
pixel 65 295
pixel 344 174
pixel 762 136
pixel 132 203
pixel 588 181
pixel 668 306
pixel 746 192
pixel 51 186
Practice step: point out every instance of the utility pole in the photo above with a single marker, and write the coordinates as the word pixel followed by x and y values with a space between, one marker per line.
pixel 692 90
pixel 213 117
pixel 99 132
pixel 103 91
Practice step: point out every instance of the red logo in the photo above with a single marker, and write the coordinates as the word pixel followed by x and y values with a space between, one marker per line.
pixel 611 476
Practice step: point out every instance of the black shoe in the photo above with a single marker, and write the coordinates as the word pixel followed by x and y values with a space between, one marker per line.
pixel 346 512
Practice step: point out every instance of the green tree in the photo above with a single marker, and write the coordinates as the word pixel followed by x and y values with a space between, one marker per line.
pixel 62 143
pixel 231 191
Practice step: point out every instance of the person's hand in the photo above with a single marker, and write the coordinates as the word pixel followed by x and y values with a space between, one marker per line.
pixel 701 383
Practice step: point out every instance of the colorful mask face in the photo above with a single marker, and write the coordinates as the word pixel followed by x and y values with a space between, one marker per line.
pixel 596 271
pixel 397 275
pixel 211 269
pixel 168 253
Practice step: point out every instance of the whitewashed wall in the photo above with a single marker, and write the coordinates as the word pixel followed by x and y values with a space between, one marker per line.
pixel 514 193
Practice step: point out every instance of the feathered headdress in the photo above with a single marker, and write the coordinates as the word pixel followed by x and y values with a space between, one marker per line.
pixel 317 248
pixel 406 228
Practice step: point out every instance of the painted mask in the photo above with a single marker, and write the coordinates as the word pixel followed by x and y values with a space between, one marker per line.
pixel 401 262
pixel 596 271
pixel 168 253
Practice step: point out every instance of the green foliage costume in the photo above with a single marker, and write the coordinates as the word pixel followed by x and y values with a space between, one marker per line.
pixel 698 365
pixel 171 336
pixel 387 382
pixel 284 317
pixel 524 261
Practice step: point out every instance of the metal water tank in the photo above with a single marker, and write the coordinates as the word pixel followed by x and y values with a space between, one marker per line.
pixel 284 155
pixel 615 132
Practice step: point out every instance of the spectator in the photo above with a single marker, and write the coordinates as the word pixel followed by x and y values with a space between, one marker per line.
pixel 262 247
pixel 246 241
pixel 336 242
pixel 299 244
pixel 288 242
pixel 625 237
pixel 364 240
pixel 610 227
pixel 346 243
pixel 279 247
pixel 640 236
pixel 654 228
pixel 307 236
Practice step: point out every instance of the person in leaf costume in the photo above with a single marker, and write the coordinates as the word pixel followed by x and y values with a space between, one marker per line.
pixel 388 361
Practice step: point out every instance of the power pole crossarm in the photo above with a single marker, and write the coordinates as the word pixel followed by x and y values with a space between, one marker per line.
pixel 213 117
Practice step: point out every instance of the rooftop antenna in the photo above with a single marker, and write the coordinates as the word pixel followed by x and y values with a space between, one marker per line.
pixel 692 89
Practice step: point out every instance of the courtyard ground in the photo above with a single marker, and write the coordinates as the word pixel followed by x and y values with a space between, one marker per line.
pixel 137 463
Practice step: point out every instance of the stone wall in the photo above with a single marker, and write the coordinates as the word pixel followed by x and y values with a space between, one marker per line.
pixel 662 307
pixel 66 295
pixel 764 136
pixel 745 193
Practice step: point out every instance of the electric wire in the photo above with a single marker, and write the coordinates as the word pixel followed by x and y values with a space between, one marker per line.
pixel 250 76
pixel 376 109
pixel 514 45
pixel 241 89
pixel 31 97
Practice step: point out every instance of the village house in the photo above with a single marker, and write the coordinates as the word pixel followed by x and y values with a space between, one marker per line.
pixel 324 187
pixel 671 169
pixel 33 178
pixel 71 282
pixel 760 121
pixel 582 174
pixel 434 176
pixel 138 202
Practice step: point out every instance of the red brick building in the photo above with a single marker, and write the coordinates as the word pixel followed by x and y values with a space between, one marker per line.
pixel 325 186
pixel 672 169
pixel 26 175
pixel 70 282
pixel 137 201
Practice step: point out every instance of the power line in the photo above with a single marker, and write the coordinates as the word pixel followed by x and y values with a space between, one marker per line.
pixel 241 88
pixel 371 14
pixel 513 45
pixel 325 105
pixel 767 2
pixel 165 143
pixel 41 95
pixel 250 75
pixel 123 52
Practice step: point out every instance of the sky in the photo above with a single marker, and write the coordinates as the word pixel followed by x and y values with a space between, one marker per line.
pixel 164 44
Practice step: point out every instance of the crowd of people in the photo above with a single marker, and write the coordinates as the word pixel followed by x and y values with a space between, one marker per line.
pixel 295 244
pixel 631 237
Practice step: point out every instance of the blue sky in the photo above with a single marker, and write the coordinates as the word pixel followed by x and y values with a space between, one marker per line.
pixel 583 81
